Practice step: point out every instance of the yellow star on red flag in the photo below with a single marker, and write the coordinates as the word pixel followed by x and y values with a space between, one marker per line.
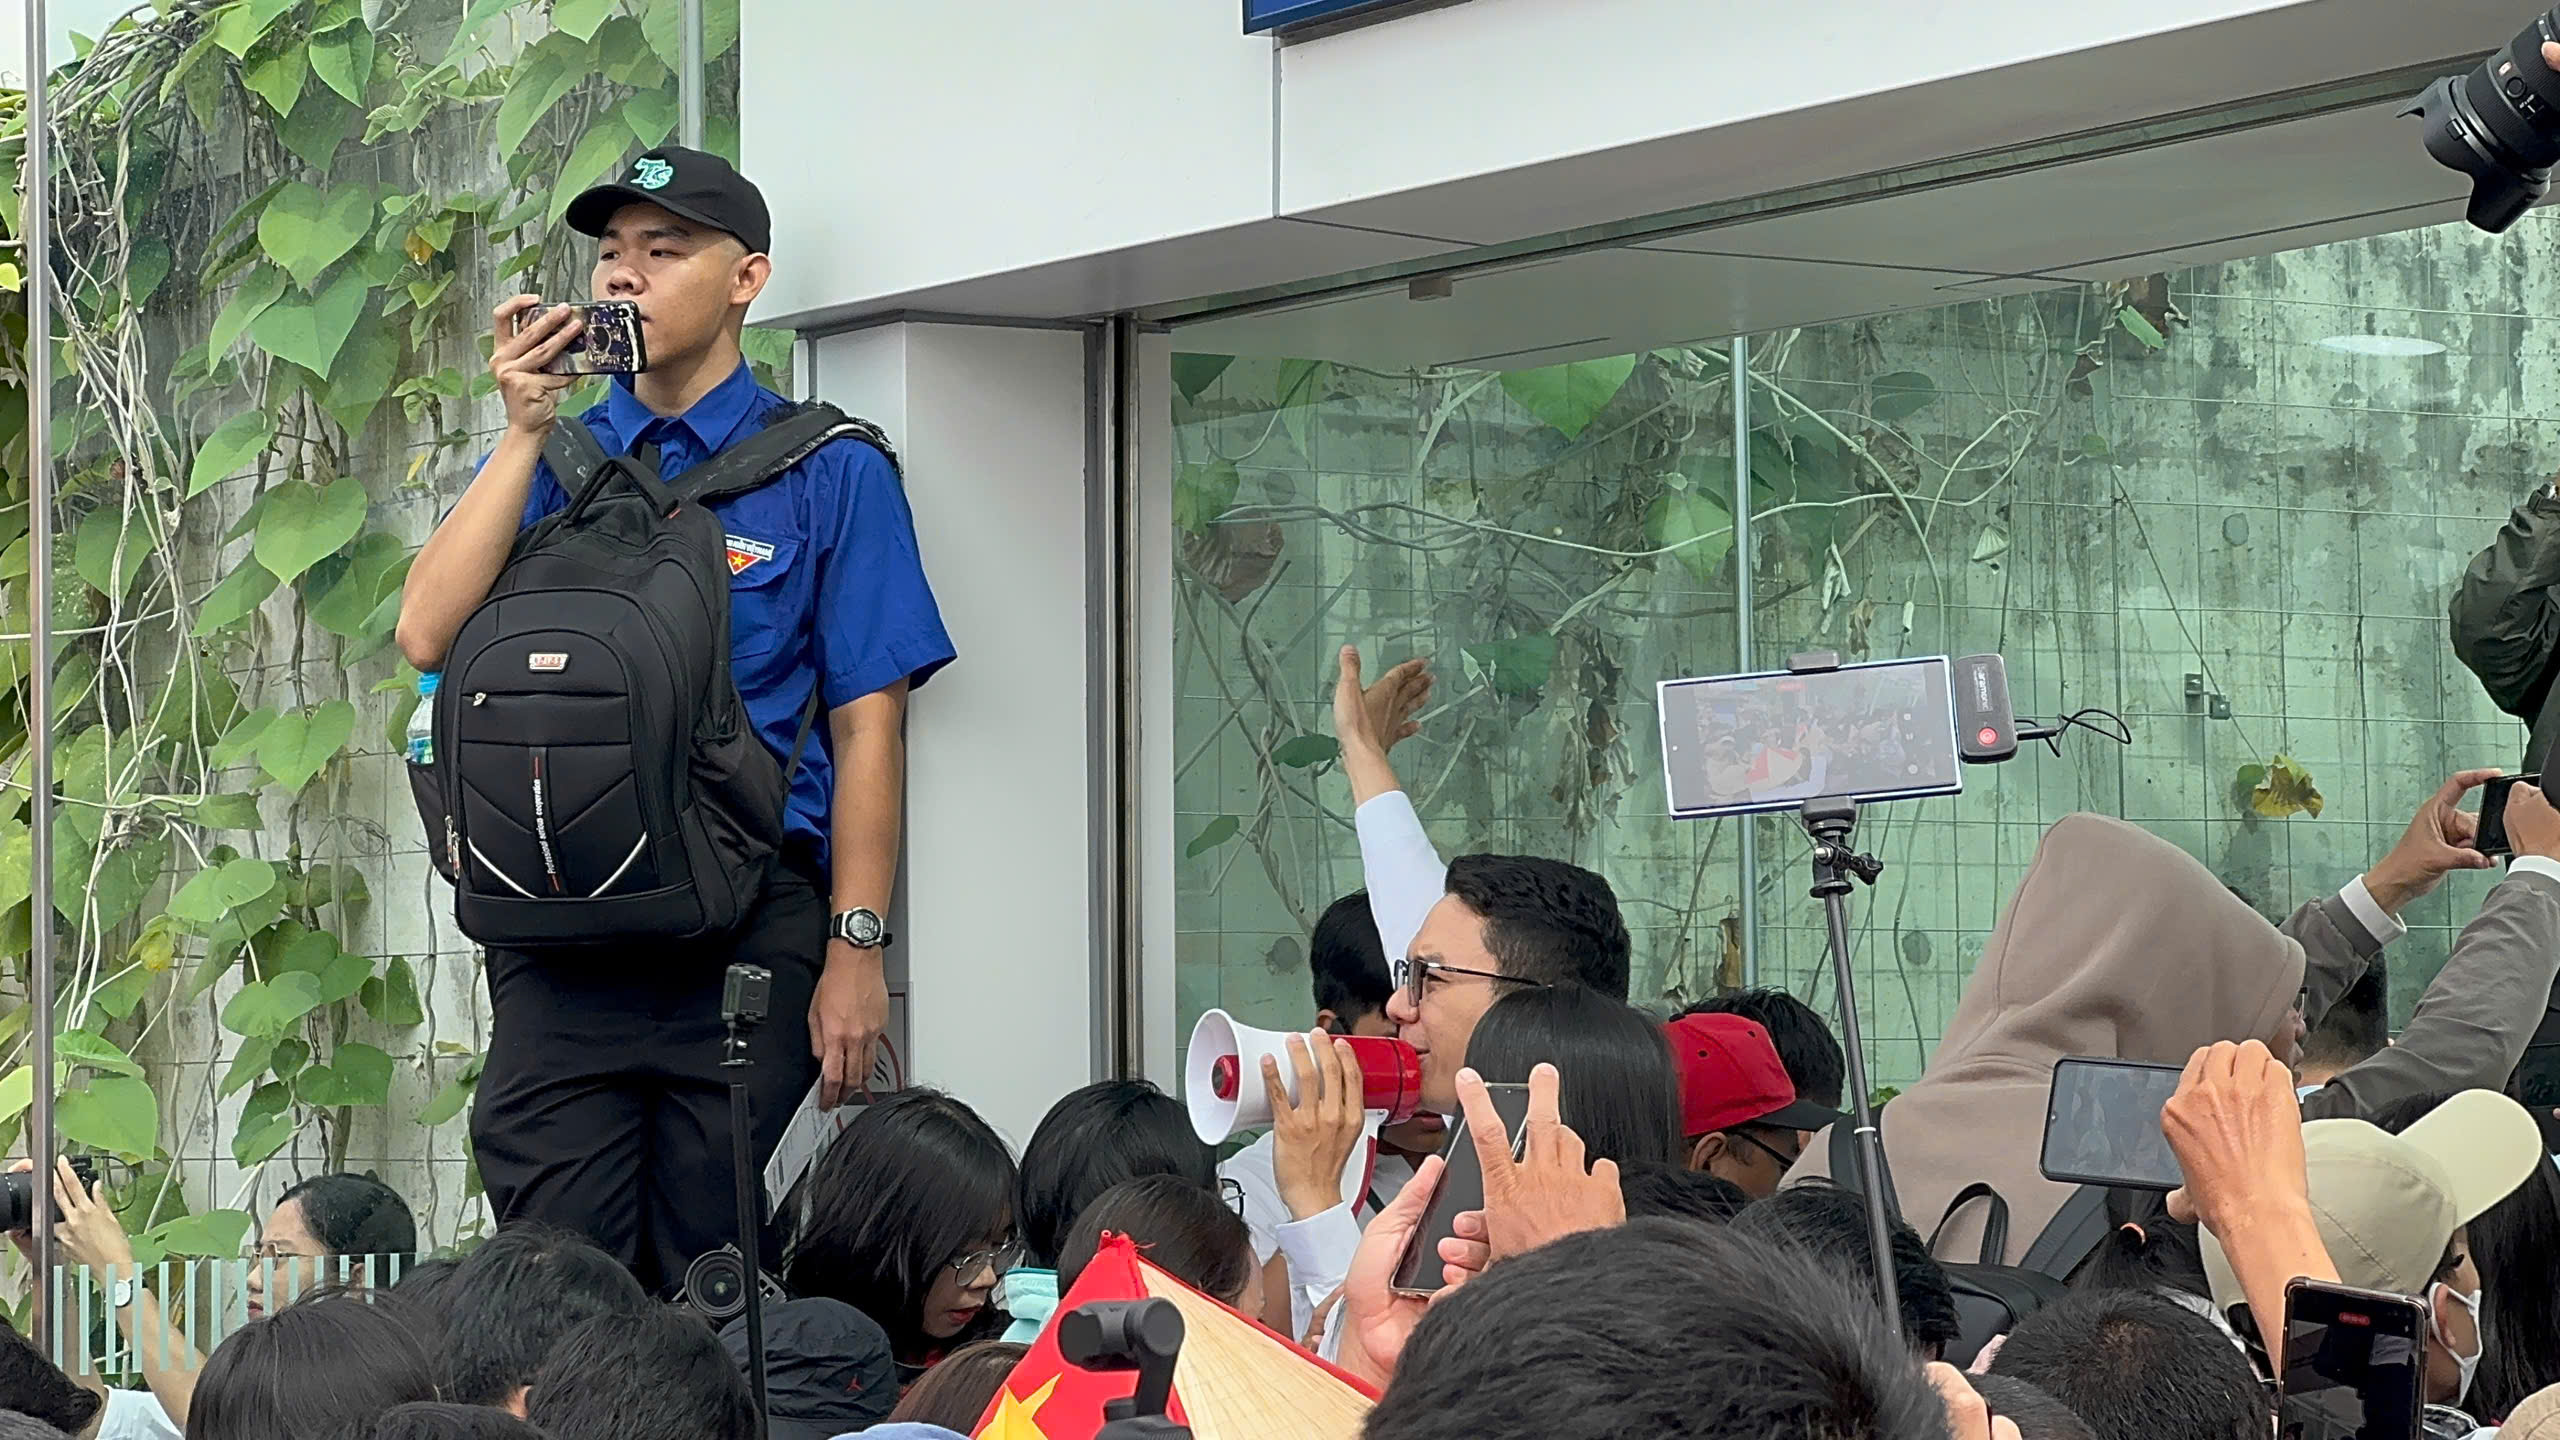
pixel 1018 1418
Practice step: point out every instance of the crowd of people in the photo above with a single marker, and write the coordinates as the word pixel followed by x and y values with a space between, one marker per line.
pixel 1668 1248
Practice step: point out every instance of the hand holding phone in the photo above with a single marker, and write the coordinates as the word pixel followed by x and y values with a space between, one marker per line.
pixel 2516 818
pixel 1503 1111
pixel 2354 1363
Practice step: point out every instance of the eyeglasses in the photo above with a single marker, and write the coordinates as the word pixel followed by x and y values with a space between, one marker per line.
pixel 274 1250
pixel 998 1258
pixel 1232 1193
pixel 1418 973
pixel 1785 1161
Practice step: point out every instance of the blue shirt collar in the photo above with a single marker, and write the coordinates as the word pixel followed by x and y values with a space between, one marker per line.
pixel 713 418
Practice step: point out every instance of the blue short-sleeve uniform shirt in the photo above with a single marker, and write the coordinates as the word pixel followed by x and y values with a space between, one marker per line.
pixel 826 588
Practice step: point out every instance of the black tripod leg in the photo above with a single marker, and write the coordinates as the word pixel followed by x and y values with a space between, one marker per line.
pixel 750 1238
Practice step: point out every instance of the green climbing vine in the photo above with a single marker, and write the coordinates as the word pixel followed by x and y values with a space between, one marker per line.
pixel 280 225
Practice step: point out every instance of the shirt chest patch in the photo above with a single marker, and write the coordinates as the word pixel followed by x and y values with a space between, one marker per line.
pixel 745 554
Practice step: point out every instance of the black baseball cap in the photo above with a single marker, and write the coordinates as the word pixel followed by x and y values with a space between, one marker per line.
pixel 827 1368
pixel 695 184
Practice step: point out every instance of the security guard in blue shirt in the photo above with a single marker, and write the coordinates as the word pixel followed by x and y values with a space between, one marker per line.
pixel 601 1105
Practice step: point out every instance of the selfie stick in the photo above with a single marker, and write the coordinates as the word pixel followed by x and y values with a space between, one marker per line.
pixel 743 1001
pixel 1835 862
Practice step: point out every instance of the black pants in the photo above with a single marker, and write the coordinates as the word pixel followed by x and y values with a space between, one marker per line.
pixel 602 1106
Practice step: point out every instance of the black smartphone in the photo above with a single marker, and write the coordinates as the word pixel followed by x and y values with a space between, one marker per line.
pixel 2102 1123
pixel 1461 1190
pixel 608 340
pixel 2492 837
pixel 2354 1364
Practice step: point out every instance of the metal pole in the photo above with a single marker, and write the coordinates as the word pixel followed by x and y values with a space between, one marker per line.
pixel 36 219
pixel 1742 637
pixel 689 84
pixel 1128 998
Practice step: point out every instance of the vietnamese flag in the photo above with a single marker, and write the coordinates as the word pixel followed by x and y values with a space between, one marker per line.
pixel 1234 1381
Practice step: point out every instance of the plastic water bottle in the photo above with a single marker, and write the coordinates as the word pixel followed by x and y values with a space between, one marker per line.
pixel 422 722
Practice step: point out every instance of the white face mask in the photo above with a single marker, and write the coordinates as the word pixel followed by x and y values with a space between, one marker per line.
pixel 2465 1365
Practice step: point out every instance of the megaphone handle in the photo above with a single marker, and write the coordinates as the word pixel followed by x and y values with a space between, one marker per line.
pixel 1372 1122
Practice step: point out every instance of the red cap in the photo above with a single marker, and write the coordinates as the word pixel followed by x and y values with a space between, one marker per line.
pixel 1730 1075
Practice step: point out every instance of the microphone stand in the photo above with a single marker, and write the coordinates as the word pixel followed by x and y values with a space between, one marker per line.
pixel 743 1002
pixel 1835 862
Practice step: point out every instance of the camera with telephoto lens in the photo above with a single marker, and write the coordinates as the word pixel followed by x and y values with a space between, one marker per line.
pixel 715 1286
pixel 18 1196
pixel 2500 125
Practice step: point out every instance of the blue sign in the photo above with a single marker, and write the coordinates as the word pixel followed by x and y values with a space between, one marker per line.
pixel 1284 16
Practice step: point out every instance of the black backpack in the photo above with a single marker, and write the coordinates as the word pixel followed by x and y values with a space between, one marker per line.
pixel 1992 1296
pixel 596 777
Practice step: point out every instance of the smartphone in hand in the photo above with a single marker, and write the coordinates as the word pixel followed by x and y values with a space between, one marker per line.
pixel 1461 1190
pixel 608 342
pixel 2492 837
pixel 2102 1124
pixel 2354 1363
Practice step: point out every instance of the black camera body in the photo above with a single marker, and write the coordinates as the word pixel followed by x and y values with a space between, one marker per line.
pixel 18 1196
pixel 2500 125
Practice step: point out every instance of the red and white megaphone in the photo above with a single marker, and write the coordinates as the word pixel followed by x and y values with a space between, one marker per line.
pixel 1222 1076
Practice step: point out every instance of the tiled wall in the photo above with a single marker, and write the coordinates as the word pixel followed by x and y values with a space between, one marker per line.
pixel 2281 517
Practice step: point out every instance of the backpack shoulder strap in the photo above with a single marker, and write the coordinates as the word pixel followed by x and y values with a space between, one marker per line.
pixel 2071 1235
pixel 788 437
pixel 573 454
pixel 1995 1227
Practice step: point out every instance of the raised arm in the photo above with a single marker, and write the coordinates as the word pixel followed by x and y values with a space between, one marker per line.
pixel 1403 872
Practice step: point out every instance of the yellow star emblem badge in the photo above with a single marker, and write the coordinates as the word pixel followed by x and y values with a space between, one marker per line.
pixel 1017 1418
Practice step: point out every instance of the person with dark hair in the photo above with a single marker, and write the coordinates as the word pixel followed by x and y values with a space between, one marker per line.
pixel 2138 1367
pixel 2037 1414
pixel 1677 1193
pixel 33 1386
pixel 2354 1030
pixel 909 1219
pixel 1091 1140
pixel 1181 1229
pixel 1740 1117
pixel 511 1300
pixel 1806 1047
pixel 1621 1094
pixel 1610 1332
pixel 1829 1225
pixel 827 1368
pixel 424 1289
pixel 331 1230
pixel 2148 1249
pixel 658 1375
pixel 959 1389
pixel 14 1426
pixel 438 1420
pixel 323 1368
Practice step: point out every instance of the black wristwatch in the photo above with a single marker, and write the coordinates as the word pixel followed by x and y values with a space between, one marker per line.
pixel 861 929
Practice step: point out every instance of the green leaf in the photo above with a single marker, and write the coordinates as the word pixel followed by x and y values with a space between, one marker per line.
pixel 17 1092
pixel 255 1054
pixel 229 447
pixel 1191 375
pixel 305 229
pixel 146 271
pixel 125 874
pixel 1698 525
pixel 216 891
pixel 1212 835
pixel 580 17
pixel 226 812
pixel 391 998
pixel 259 289
pixel 344 979
pixel 357 1074
pixel 343 59
pixel 79 1047
pixel 266 1124
pixel 215 1234
pixel 375 568
pixel 599 150
pixel 303 523
pixel 235 599
pixel 449 1101
pixel 110 550
pixel 296 747
pixel 472 19
pixel 363 374
pixel 1301 751
pixel 278 76
pixel 269 1007
pixel 291 1054
pixel 118 996
pixel 311 332
pixel 2139 326
pixel 17 863
pixel 1901 395
pixel 663 23
pixel 297 948
pixel 2286 789
pixel 1570 397
pixel 1201 493
pixel 320 122
pixel 1519 666
pixel 117 1114
pixel 540 81
pixel 651 114
pixel 2094 445
pixel 241 741
pixel 245 24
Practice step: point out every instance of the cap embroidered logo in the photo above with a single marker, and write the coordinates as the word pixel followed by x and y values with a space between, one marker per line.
pixel 652 173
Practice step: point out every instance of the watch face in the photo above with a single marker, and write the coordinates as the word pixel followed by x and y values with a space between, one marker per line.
pixel 861 927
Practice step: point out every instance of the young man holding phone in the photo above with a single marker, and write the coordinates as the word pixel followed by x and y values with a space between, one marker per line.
pixel 602 1103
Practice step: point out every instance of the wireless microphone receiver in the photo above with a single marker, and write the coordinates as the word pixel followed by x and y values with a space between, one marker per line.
pixel 1986 728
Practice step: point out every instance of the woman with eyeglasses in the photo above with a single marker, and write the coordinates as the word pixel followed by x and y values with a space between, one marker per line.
pixel 909 1219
